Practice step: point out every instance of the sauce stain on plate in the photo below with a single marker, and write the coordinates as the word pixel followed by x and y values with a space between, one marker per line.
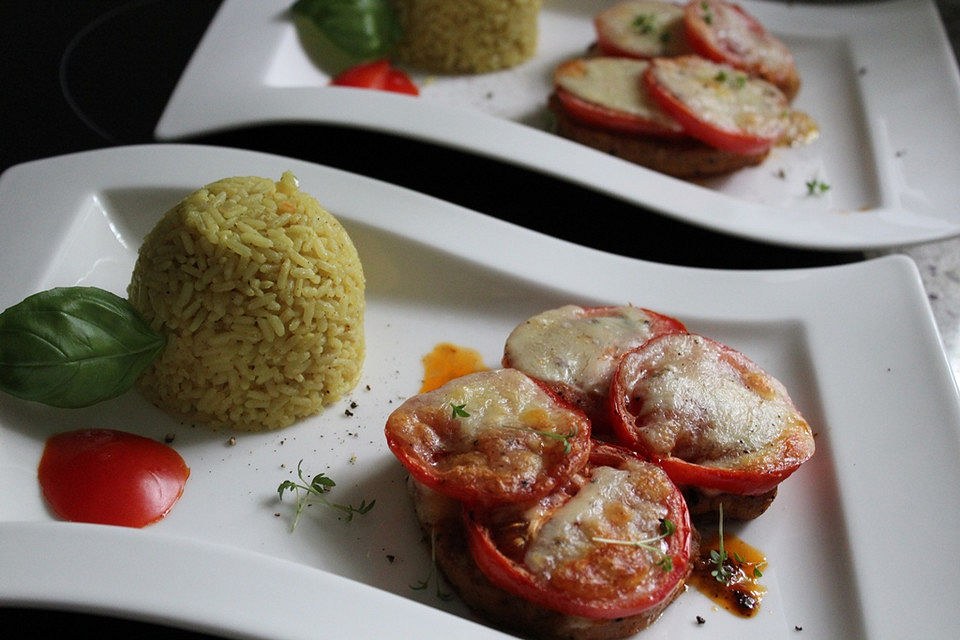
pixel 741 592
pixel 448 361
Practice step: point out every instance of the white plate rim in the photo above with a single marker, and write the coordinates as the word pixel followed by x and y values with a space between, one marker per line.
pixel 208 99
pixel 836 307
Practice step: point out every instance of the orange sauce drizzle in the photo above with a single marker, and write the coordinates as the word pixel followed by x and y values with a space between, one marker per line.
pixel 741 595
pixel 448 361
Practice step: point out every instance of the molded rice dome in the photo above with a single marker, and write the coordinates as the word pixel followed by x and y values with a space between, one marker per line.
pixel 467 36
pixel 260 292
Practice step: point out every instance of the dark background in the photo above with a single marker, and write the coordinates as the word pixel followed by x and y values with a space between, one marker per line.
pixel 87 74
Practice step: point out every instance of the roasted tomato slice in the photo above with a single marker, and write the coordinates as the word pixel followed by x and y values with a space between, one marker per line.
pixel 574 350
pixel 709 416
pixel 614 541
pixel 725 32
pixel 489 437
pixel 609 93
pixel 718 104
pixel 641 29
pixel 378 74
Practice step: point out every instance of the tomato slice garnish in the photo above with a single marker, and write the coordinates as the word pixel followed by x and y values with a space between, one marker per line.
pixel 576 551
pixel 709 416
pixel 641 29
pixel 724 32
pixel 603 117
pixel 608 92
pixel 489 437
pixel 105 476
pixel 719 105
pixel 574 350
pixel 379 74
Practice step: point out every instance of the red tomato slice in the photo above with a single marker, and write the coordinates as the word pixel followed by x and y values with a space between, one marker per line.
pixel 489 437
pixel 378 74
pixel 597 115
pixel 709 416
pixel 609 93
pixel 641 29
pixel 719 105
pixel 726 33
pixel 574 554
pixel 574 350
pixel 110 477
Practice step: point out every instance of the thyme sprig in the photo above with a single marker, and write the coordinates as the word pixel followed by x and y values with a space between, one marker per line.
pixel 317 487
pixel 664 561
pixel 433 574
pixel 816 187
pixel 644 23
pixel 562 437
pixel 722 571
pixel 706 13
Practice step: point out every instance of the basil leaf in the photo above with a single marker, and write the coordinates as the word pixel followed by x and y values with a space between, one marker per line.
pixel 74 347
pixel 363 28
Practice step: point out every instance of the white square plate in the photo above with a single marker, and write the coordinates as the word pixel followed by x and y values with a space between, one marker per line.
pixel 865 524
pixel 879 78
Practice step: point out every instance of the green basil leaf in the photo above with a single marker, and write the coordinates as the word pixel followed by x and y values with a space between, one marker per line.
pixel 363 28
pixel 74 347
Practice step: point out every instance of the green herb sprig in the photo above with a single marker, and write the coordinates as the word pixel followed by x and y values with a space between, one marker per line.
pixel 722 571
pixel 565 438
pixel 738 81
pixel 644 23
pixel 664 561
pixel 757 573
pixel 433 574
pixel 816 187
pixel 706 12
pixel 317 487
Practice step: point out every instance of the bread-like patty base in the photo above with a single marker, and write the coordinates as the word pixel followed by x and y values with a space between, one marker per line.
pixel 442 524
pixel 703 505
pixel 681 158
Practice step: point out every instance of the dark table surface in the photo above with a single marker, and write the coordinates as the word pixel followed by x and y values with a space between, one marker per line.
pixel 97 73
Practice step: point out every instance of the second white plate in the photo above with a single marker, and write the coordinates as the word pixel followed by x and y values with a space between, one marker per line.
pixel 869 71
pixel 851 532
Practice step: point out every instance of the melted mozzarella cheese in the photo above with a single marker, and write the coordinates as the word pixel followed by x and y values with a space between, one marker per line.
pixel 724 97
pixel 741 35
pixel 701 406
pixel 645 28
pixel 571 346
pixel 497 399
pixel 614 83
pixel 606 507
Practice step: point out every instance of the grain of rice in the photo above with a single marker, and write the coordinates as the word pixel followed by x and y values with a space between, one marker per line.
pixel 261 295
